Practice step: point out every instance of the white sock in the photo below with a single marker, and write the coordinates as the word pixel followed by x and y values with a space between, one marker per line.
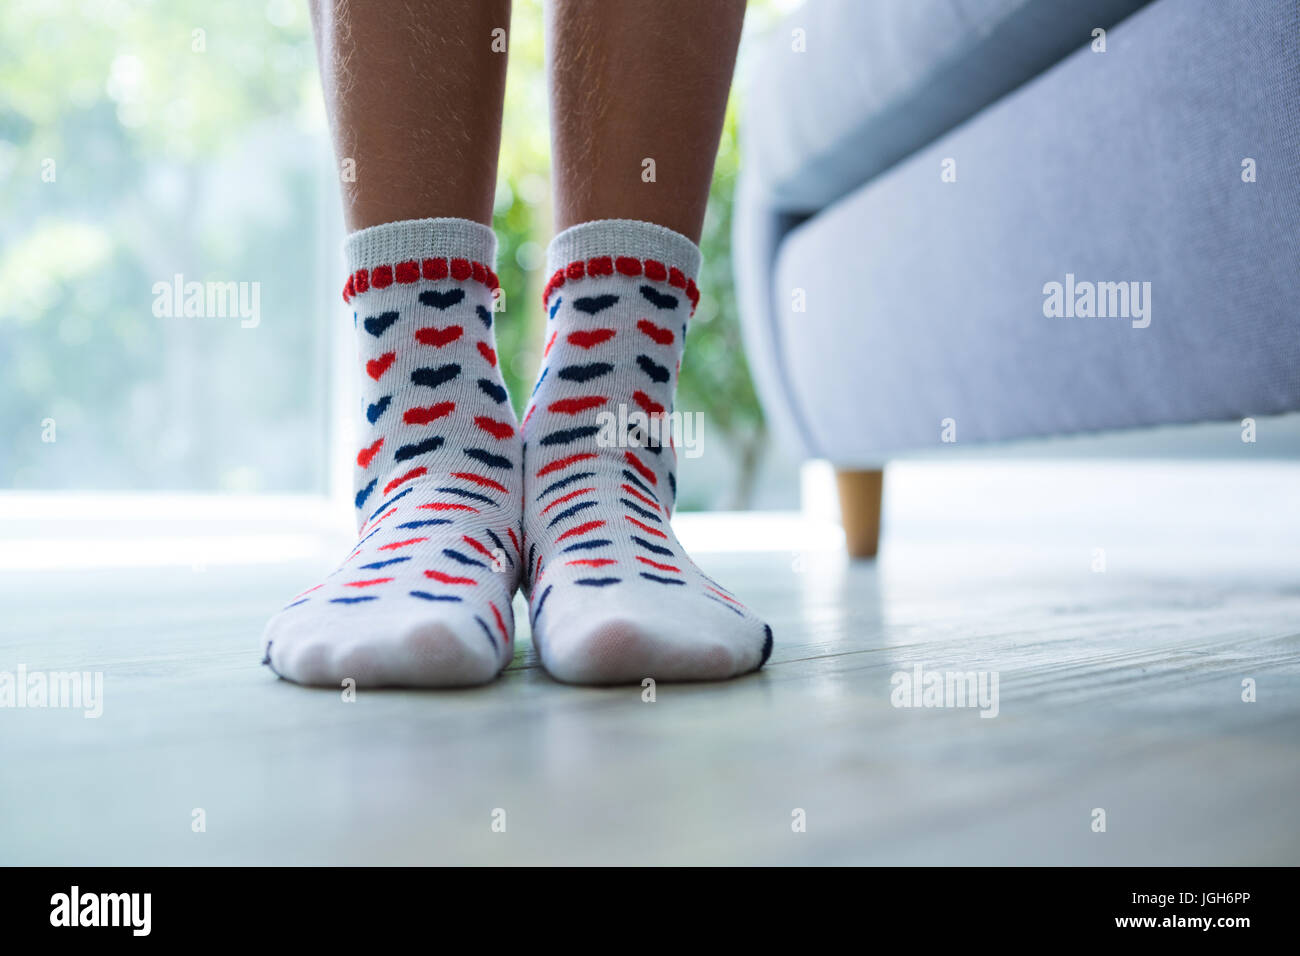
pixel 613 597
pixel 424 598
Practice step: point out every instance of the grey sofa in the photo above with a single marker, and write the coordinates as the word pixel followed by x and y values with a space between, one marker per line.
pixel 943 204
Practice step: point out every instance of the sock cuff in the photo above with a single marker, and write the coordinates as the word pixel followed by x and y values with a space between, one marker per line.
pixel 627 247
pixel 446 238
pixel 419 248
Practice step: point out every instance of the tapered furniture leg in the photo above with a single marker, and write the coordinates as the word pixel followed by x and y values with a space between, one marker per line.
pixel 860 498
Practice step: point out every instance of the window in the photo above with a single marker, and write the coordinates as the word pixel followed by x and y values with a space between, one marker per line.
pixel 170 251
pixel 167 238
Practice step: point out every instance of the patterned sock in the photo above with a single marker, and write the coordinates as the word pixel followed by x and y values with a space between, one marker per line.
pixel 613 597
pixel 423 600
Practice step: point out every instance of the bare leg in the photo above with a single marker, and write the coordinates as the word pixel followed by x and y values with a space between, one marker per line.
pixel 414 93
pixel 633 81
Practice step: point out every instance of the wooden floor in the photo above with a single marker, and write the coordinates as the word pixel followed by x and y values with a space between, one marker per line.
pixel 1119 690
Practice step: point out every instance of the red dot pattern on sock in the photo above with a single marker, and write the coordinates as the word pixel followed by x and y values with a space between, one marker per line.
pixel 652 269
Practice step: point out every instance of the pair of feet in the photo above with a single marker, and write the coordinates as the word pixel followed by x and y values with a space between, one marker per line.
pixel 458 505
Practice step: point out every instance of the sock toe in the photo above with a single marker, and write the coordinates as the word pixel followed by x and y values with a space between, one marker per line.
pixel 590 645
pixel 440 654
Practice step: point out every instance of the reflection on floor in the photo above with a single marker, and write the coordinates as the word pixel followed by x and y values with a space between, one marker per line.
pixel 1142 624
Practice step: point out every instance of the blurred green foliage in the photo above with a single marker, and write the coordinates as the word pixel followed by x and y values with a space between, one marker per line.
pixel 715 377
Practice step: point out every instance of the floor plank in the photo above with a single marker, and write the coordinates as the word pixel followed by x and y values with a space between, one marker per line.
pixel 1119 690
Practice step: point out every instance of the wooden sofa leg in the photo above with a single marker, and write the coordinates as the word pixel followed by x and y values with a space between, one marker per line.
pixel 860 497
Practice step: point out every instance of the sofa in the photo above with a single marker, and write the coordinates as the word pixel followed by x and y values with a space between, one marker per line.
pixel 976 221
